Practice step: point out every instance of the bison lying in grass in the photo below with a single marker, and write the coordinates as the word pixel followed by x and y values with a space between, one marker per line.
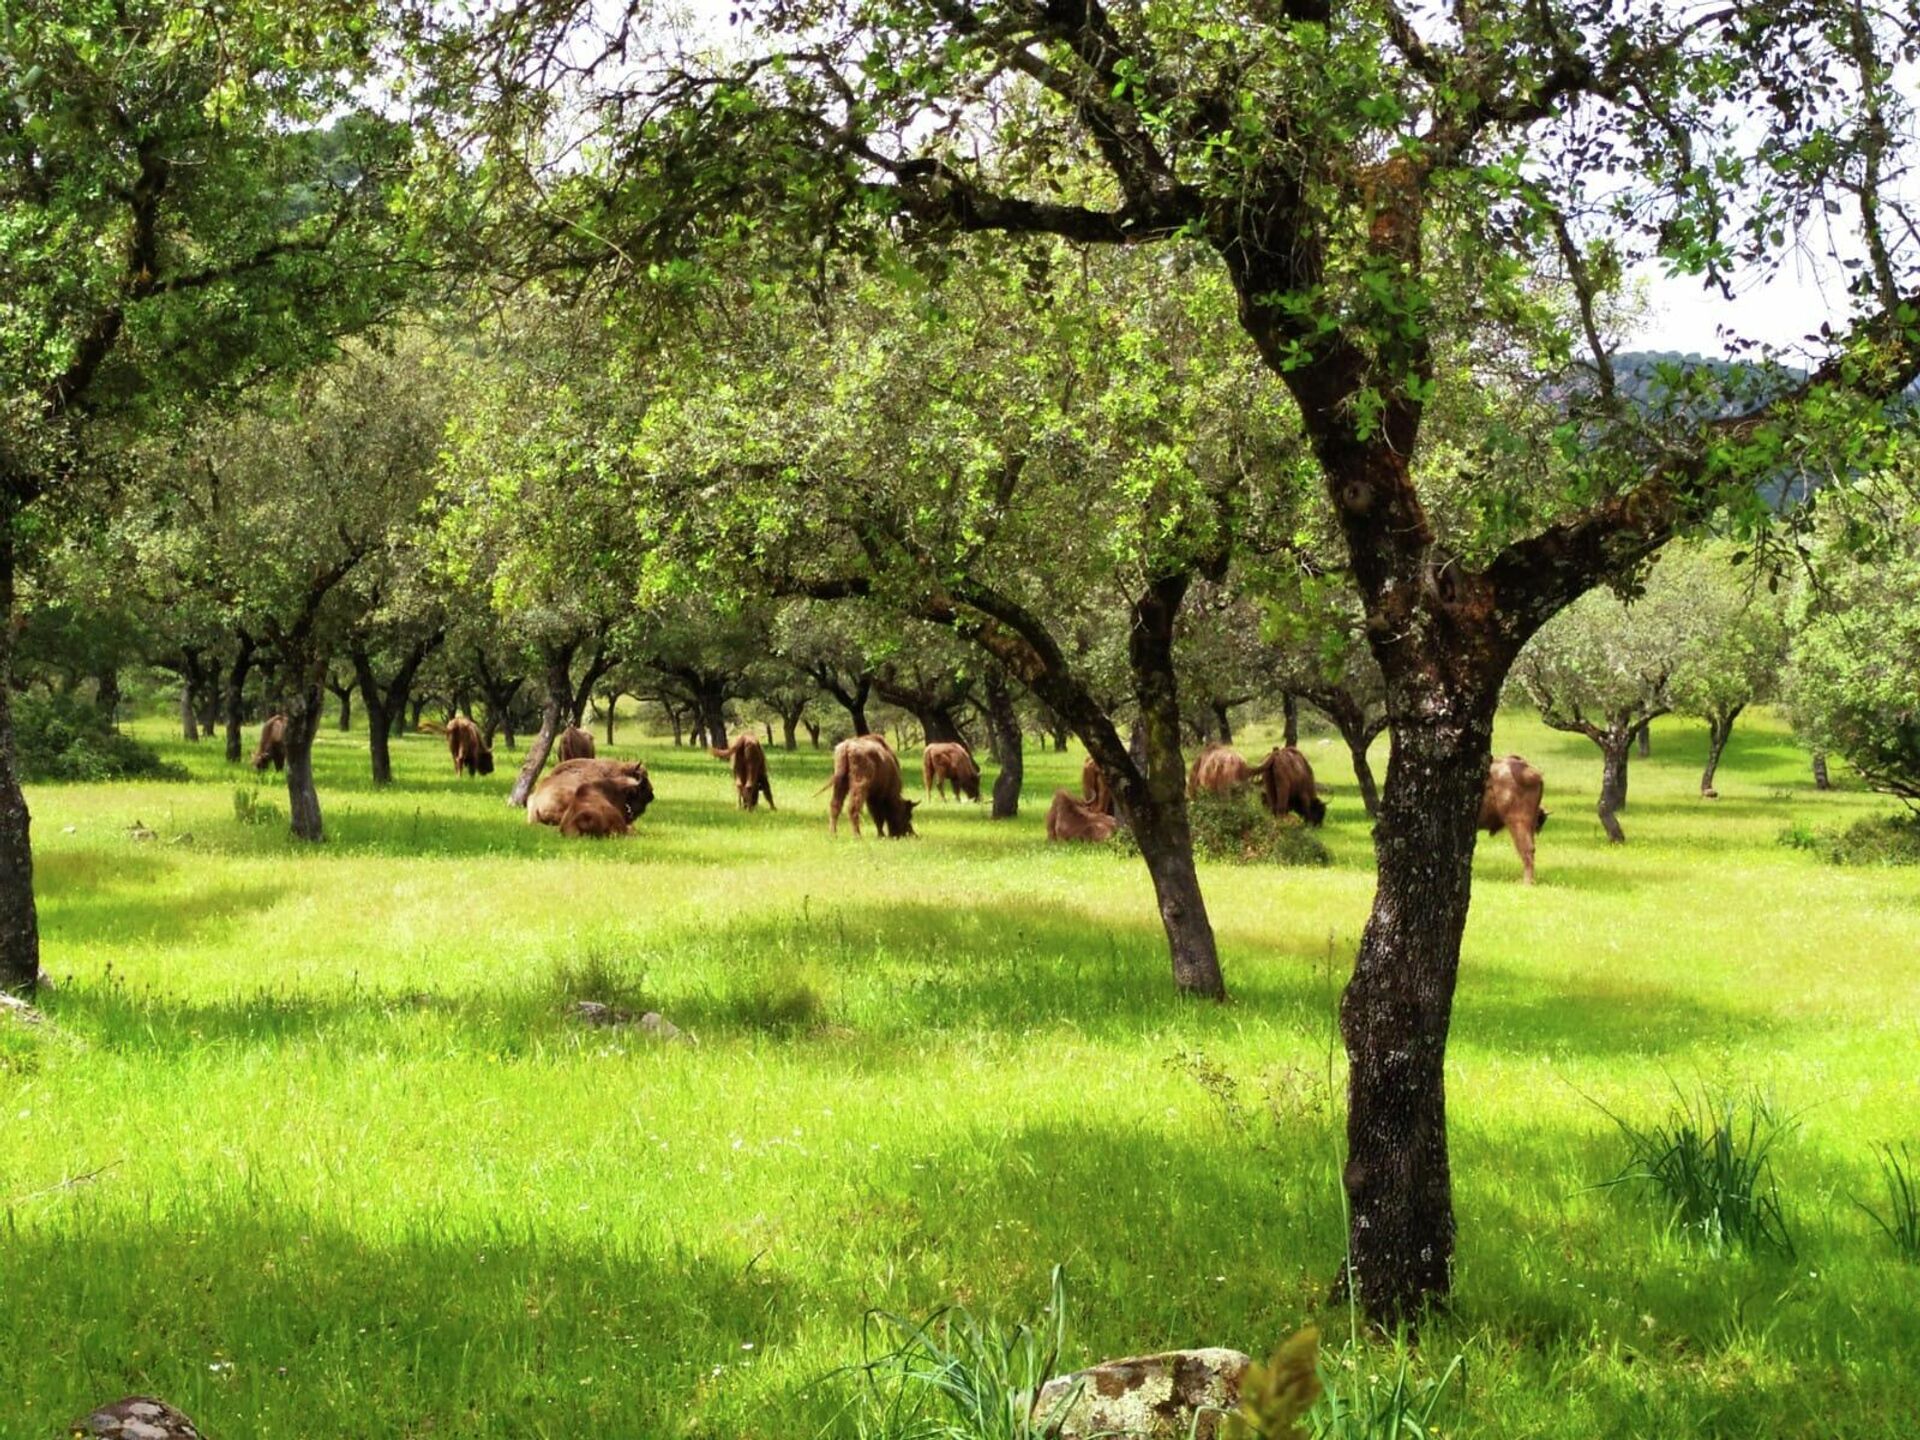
pixel 624 784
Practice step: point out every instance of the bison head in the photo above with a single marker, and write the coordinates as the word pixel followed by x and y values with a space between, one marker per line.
pixel 483 762
pixel 1314 810
pixel 898 823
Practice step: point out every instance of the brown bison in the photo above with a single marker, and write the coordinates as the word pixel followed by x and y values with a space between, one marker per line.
pixel 575 744
pixel 1094 788
pixel 598 810
pixel 1511 802
pixel 468 748
pixel 749 764
pixel 1284 777
pixel 1071 819
pixel 1286 784
pixel 272 749
pixel 866 774
pixel 625 780
pixel 944 762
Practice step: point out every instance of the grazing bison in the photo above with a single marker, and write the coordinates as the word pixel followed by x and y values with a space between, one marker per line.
pixel 1512 803
pixel 749 764
pixel 598 810
pixel 945 762
pixel 1284 777
pixel 575 744
pixel 468 748
pixel 272 749
pixel 866 774
pixel 625 780
pixel 1094 787
pixel 1071 819
pixel 1286 784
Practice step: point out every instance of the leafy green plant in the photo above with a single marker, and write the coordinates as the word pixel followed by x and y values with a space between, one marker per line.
pixel 1235 829
pixel 57 737
pixel 1711 1160
pixel 250 809
pixel 1901 1222
pixel 958 1376
pixel 1360 1404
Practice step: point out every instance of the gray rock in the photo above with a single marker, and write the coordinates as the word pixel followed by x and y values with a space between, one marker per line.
pixel 657 1025
pixel 19 1009
pixel 137 1417
pixel 1170 1396
pixel 598 1012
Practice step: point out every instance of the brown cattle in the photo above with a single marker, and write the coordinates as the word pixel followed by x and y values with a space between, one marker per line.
pixel 1218 770
pixel 944 762
pixel 749 764
pixel 1511 802
pixel 1286 784
pixel 598 810
pixel 866 774
pixel 272 749
pixel 468 748
pixel 626 781
pixel 1071 819
pixel 1094 787
pixel 575 744
pixel 1285 780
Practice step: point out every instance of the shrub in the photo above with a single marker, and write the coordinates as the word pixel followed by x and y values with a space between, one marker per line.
pixel 1711 1160
pixel 1237 830
pixel 60 738
pixel 1876 840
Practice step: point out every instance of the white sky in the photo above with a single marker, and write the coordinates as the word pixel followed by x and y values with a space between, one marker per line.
pixel 1683 315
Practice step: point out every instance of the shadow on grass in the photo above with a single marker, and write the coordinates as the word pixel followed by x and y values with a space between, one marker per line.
pixel 863 977
pixel 264 1323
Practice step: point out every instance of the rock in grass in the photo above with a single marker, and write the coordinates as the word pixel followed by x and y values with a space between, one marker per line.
pixel 19 1009
pixel 1180 1393
pixel 137 1417
pixel 598 1012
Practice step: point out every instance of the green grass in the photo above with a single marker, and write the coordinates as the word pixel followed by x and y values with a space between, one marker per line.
pixel 310 1146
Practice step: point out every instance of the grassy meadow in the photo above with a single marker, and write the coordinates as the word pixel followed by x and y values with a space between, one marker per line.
pixel 310 1146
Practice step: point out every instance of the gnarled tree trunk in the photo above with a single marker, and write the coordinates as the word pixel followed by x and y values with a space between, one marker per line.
pixel 1614 749
pixel 1004 723
pixel 1290 722
pixel 1719 731
pixel 1397 1008
pixel 236 694
pixel 304 708
pixel 553 716
pixel 189 722
pixel 1821 780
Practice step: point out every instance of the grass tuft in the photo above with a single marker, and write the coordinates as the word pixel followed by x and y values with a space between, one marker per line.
pixel 1711 1160
pixel 958 1376
pixel 1901 1221
pixel 1359 1403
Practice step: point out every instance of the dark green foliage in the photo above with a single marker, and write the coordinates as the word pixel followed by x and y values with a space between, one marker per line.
pixel 1875 840
pixel 1234 828
pixel 1901 1221
pixel 1711 1161
pixel 62 738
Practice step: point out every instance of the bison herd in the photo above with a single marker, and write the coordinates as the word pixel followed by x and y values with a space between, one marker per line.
pixel 585 796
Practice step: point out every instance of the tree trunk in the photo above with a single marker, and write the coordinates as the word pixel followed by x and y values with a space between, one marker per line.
pixel 1614 750
pixel 345 692
pixel 106 693
pixel 1719 731
pixel 303 800
pixel 1358 744
pixel 1159 816
pixel 1644 735
pixel 1821 781
pixel 790 729
pixel 379 738
pixel 413 710
pixel 19 921
pixel 673 719
pixel 813 733
pixel 237 696
pixel 1225 722
pixel 1060 740
pixel 1290 723
pixel 1397 1008
pixel 713 713
pixel 553 716
pixel 613 704
pixel 1003 724
pixel 189 722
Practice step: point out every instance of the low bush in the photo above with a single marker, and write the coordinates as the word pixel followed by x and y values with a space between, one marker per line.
pixel 60 738
pixel 1236 830
pixel 1876 840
